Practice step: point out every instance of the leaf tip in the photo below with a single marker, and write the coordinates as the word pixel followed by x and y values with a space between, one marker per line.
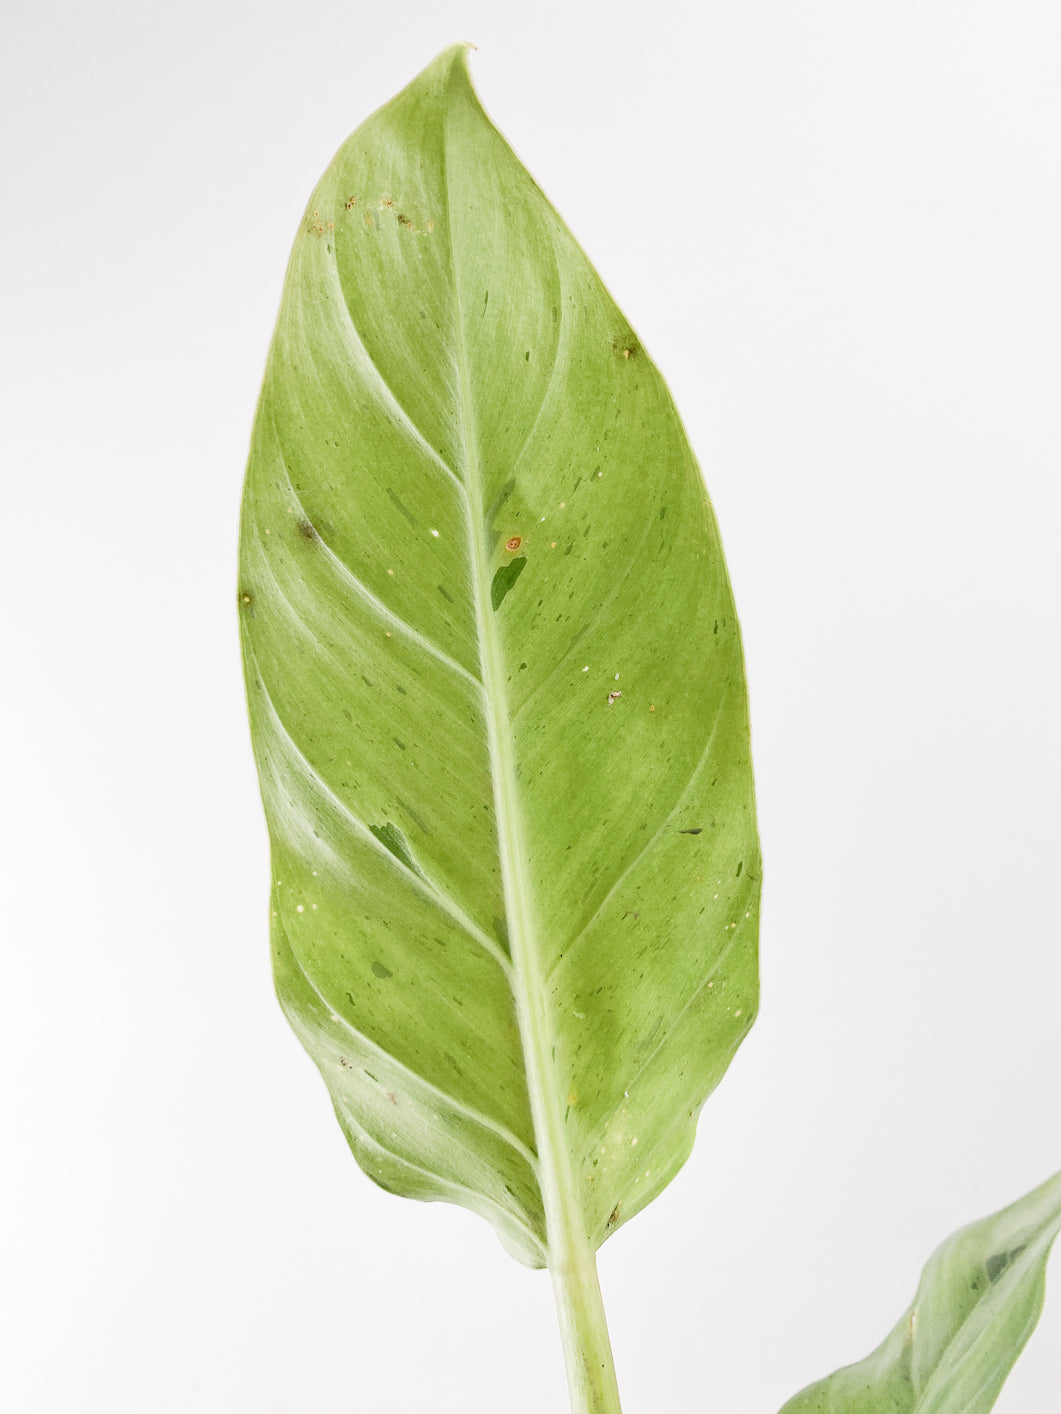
pixel 453 60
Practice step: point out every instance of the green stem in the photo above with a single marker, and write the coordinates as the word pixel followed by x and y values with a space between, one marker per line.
pixel 584 1333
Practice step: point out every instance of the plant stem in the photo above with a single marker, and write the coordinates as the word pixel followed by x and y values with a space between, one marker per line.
pixel 584 1333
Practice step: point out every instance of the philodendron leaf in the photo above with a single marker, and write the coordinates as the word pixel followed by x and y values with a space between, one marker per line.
pixel 496 692
pixel 979 1300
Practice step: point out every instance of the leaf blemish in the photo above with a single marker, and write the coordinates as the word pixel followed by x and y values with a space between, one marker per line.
pixel 999 1261
pixel 393 497
pixel 504 579
pixel 378 970
pixel 699 830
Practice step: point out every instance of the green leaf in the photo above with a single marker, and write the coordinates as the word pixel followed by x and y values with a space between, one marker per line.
pixel 979 1300
pixel 497 696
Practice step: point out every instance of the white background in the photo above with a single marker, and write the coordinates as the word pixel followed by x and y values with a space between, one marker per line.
pixel 836 227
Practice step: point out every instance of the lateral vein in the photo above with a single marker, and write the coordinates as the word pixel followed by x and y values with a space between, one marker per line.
pixel 376 605
pixel 477 1116
pixel 418 878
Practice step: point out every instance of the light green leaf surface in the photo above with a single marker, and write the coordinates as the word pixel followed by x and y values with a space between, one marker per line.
pixel 497 696
pixel 979 1300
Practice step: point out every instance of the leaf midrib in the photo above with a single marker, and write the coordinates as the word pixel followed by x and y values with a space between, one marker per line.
pixel 565 1227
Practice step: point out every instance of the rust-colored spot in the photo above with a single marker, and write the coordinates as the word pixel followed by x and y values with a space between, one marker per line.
pixel 513 543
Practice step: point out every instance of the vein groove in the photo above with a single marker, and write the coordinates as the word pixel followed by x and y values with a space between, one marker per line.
pixel 372 602
pixel 475 1115
pixel 479 1201
pixel 673 1027
pixel 649 844
pixel 389 396
pixel 421 881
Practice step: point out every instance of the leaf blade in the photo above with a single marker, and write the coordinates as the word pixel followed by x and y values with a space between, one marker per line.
pixel 496 689
pixel 979 1299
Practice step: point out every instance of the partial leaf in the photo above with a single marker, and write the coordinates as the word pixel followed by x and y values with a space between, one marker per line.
pixel 496 692
pixel 979 1300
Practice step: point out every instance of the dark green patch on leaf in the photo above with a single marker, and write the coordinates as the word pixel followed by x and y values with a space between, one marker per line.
pixel 390 836
pixel 404 509
pixel 505 579
pixel 999 1261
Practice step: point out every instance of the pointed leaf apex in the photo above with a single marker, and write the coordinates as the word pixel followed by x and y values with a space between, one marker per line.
pixel 453 59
